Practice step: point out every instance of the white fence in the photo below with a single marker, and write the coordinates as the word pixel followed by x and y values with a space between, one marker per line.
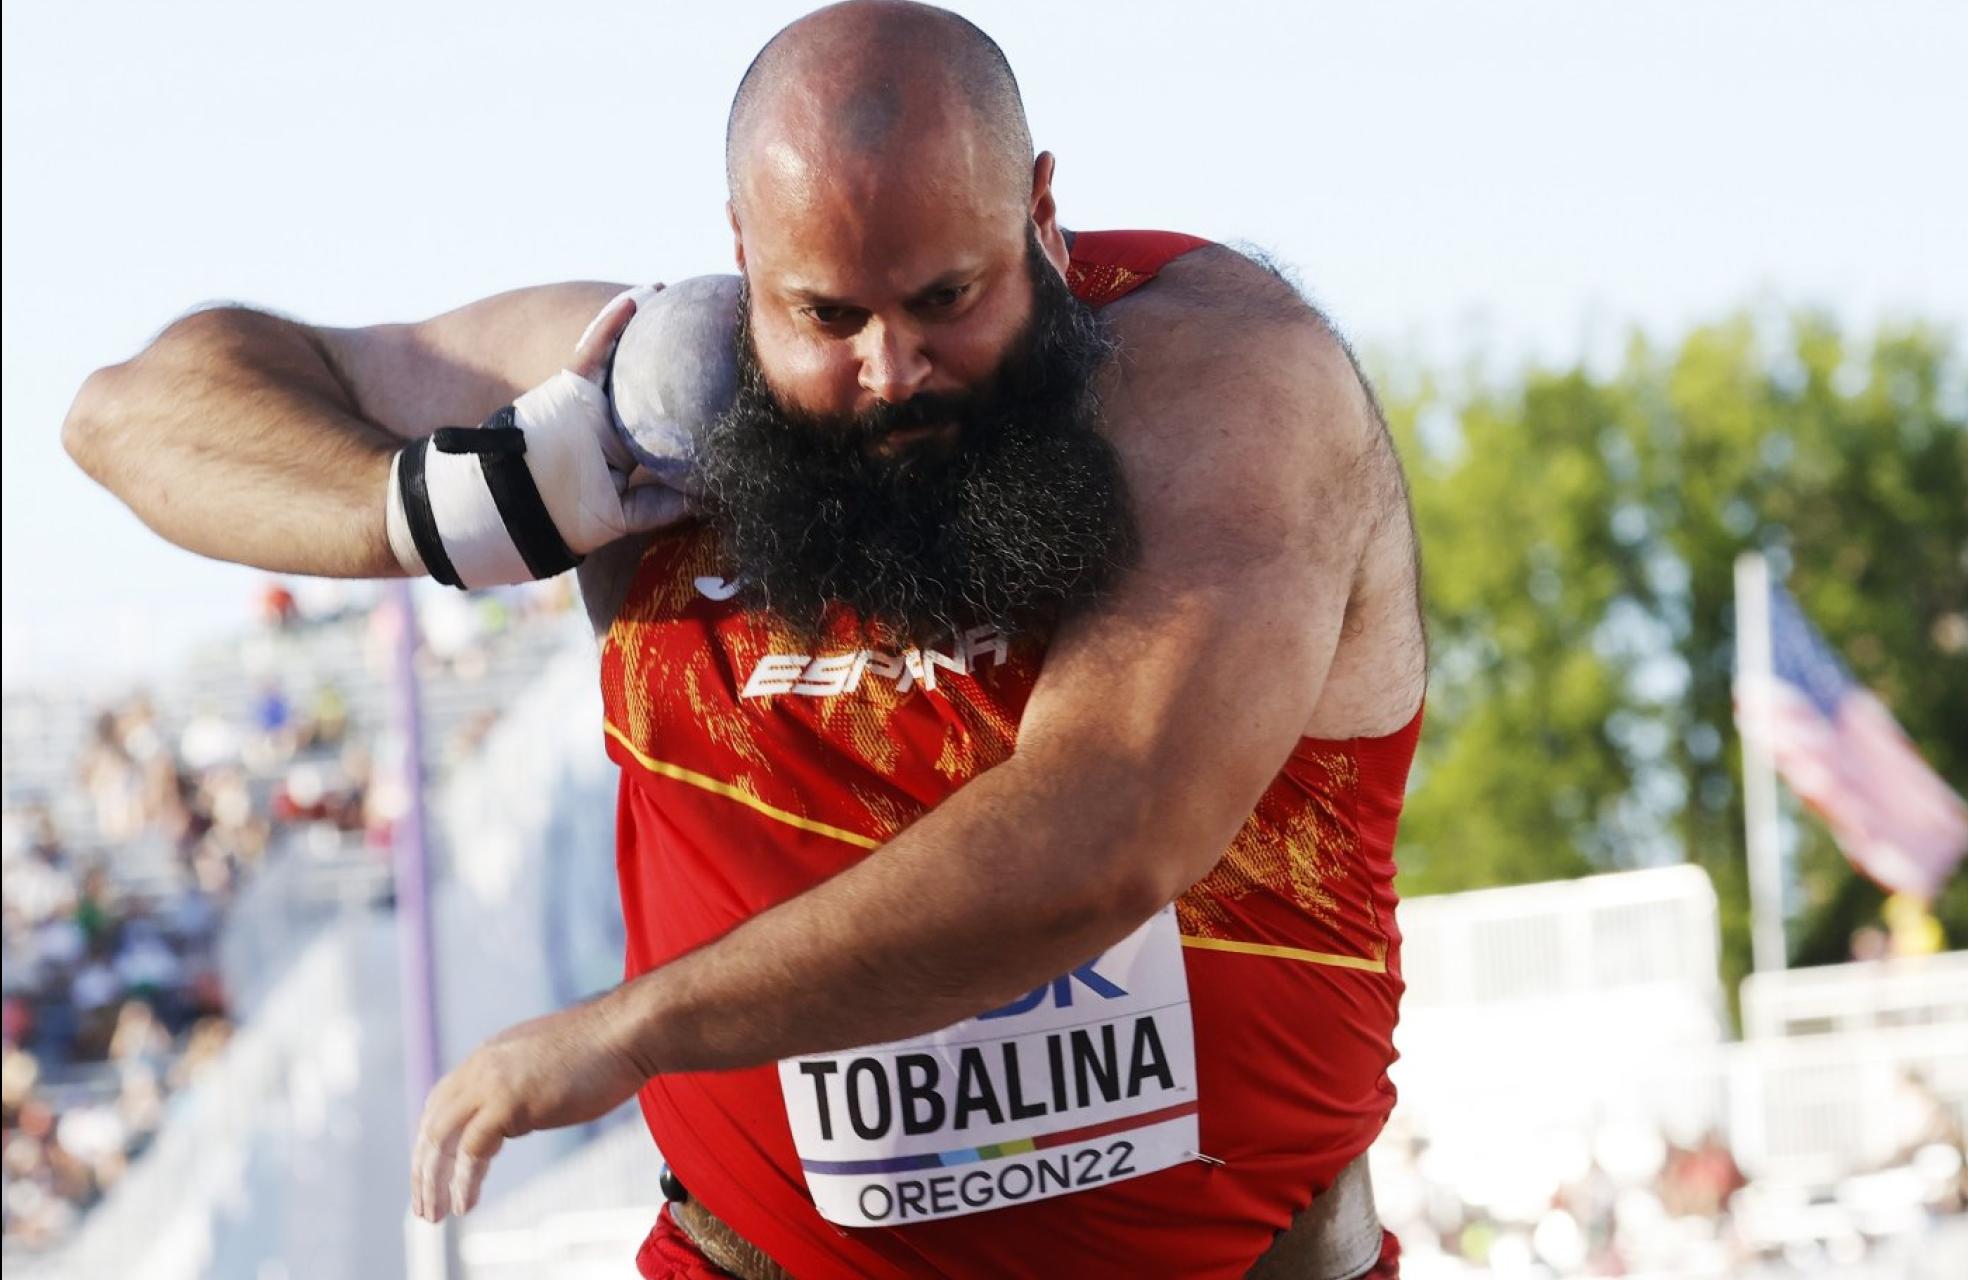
pixel 1580 938
pixel 1577 1004
pixel 1812 1109
pixel 1918 991
pixel 583 1219
pixel 1553 1006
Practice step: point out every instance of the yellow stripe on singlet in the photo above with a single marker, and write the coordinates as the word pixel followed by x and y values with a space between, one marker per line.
pixel 729 792
pixel 707 783
pixel 1286 953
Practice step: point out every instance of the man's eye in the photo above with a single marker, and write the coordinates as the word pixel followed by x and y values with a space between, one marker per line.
pixel 826 317
pixel 948 297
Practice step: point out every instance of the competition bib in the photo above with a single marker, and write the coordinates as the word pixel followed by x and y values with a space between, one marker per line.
pixel 1088 1080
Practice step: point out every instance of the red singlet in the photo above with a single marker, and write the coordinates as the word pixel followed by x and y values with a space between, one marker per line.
pixel 752 770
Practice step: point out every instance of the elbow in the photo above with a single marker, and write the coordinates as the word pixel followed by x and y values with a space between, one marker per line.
pixel 1139 891
pixel 104 419
pixel 88 431
pixel 1147 857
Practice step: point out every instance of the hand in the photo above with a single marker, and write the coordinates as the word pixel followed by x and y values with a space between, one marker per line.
pixel 543 482
pixel 562 1069
pixel 577 456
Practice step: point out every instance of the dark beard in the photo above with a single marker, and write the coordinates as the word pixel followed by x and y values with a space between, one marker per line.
pixel 1020 520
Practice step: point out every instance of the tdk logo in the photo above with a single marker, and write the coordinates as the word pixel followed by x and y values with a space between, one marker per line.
pixel 1062 992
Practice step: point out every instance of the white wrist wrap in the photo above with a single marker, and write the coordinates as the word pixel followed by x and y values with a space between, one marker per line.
pixel 522 497
pixel 475 535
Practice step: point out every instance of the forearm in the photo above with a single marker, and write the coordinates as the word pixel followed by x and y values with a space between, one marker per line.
pixel 232 436
pixel 979 902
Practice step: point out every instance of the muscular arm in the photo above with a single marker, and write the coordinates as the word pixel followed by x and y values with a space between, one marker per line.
pixel 1158 722
pixel 248 437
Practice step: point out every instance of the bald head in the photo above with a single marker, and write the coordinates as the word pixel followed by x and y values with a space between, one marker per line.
pixel 886 208
pixel 881 82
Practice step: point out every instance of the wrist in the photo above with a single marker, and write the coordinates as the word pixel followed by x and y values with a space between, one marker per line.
pixel 396 523
pixel 464 507
pixel 635 1025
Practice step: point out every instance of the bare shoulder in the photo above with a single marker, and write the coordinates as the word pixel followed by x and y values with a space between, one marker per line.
pixel 1225 283
pixel 1251 439
pixel 1234 391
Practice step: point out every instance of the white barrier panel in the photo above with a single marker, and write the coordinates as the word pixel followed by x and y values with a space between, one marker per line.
pixel 1581 937
pixel 525 915
pixel 1814 1108
pixel 274 1153
pixel 583 1219
pixel 1555 1005
pixel 1910 992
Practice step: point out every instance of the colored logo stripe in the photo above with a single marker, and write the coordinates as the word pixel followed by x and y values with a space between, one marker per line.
pixel 996 1150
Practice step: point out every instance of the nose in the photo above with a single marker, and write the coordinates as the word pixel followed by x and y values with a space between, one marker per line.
pixel 894 365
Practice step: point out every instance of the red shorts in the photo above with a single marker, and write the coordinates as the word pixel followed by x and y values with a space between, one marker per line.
pixel 668 1254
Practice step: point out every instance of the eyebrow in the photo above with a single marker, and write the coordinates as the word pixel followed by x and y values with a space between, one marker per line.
pixel 816 298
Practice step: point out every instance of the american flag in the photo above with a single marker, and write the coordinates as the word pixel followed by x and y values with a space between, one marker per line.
pixel 1846 757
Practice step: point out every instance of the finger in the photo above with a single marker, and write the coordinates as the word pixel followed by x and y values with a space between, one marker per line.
pixel 591 352
pixel 598 340
pixel 441 1173
pixel 419 1154
pixel 423 1180
pixel 444 1115
pixel 466 1181
pixel 480 1141
pixel 652 506
pixel 433 1168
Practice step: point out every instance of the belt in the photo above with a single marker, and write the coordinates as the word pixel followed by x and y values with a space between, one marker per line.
pixel 1336 1237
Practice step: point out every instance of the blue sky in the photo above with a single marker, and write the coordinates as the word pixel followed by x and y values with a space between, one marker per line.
pixel 1507 177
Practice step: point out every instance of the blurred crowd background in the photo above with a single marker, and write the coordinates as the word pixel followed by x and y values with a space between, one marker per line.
pixel 1640 287
pixel 133 824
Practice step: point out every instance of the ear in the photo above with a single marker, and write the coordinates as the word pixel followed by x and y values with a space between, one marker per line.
pixel 737 235
pixel 1045 215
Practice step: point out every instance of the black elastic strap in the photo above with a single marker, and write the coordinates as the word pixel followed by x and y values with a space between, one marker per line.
pixel 417 511
pixel 498 437
pixel 501 450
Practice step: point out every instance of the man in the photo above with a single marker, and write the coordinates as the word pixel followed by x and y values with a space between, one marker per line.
pixel 1013 754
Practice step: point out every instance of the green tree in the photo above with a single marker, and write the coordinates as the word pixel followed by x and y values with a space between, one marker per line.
pixel 1579 532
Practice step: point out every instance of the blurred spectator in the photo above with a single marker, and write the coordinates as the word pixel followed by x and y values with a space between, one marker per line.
pixel 1869 942
pixel 110 778
pixel 327 720
pixel 209 740
pixel 278 610
pixel 1912 928
pixel 1622 1211
pixel 275 737
pixel 111 913
pixel 1920 1118
pixel 1699 1182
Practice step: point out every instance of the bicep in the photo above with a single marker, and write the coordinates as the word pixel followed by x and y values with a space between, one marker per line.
pixel 455 369
pixel 1197 675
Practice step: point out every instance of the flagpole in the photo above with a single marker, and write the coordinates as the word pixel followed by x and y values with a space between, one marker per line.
pixel 1759 773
